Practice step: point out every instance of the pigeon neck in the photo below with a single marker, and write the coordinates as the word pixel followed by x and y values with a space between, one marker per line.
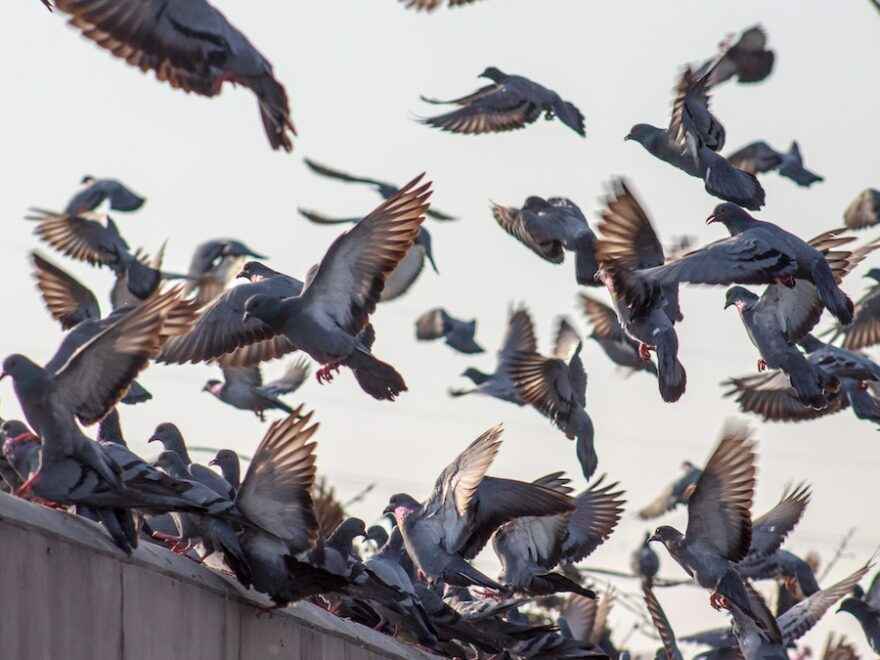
pixel 231 472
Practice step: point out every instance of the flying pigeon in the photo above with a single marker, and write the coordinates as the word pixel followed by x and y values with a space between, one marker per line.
pixel 748 59
pixel 214 265
pixel 865 607
pixel 620 348
pixel 95 191
pixel 770 530
pixel 189 44
pixel 675 494
pixel 661 623
pixel 510 102
pixel 243 388
pixel 644 562
pixel 520 337
pixel 549 228
pixel 463 511
pixel 863 211
pixel 759 157
pixel 458 334
pixel 340 295
pixel 864 331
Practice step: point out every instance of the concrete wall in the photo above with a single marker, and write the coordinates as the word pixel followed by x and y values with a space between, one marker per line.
pixel 67 593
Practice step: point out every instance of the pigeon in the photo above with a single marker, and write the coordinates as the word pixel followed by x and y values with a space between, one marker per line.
pixel 458 334
pixel 530 548
pixel 864 331
pixel 549 228
pixel 214 265
pixel 243 388
pixel 865 607
pixel 586 619
pixel 661 623
pixel 520 337
pixel 748 59
pixel 189 44
pixel 770 531
pixel 510 102
pixel 385 189
pixel 431 5
pixel 693 139
pixel 20 453
pixel 863 211
pixel 336 303
pixel 95 191
pixel 644 562
pixel 230 467
pixel 95 239
pixel 463 511
pixel 753 642
pixel 759 157
pixel 675 494
pixel 647 313
pixel 557 388
pixel 719 525
pixel 620 348
pixel 378 535
pixel 171 439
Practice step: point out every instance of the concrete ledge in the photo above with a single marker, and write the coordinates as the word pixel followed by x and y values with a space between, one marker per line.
pixel 69 593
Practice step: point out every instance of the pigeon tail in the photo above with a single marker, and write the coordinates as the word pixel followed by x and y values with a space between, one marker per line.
pixel 274 112
pixel 806 379
pixel 835 300
pixel 378 379
pixel 119 523
pixel 725 181
pixel 142 280
pixel 672 378
pixel 459 573
pixel 555 583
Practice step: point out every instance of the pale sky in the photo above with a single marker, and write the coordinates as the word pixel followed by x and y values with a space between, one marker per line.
pixel 353 71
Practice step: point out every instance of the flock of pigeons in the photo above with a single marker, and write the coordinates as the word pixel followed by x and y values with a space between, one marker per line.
pixel 278 528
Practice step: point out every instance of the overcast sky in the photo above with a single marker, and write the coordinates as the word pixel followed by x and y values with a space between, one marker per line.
pixel 354 71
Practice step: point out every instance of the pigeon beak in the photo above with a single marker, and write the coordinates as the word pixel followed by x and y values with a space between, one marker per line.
pixel 433 265
pixel 728 303
pixel 652 538
pixel 206 388
pixel 711 219
pixel 213 461
pixel 152 438
pixel 628 137
pixel 243 273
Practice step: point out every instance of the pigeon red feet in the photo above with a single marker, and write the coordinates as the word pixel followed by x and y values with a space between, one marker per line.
pixel 762 364
pixel 325 373
pixel 718 601
pixel 645 351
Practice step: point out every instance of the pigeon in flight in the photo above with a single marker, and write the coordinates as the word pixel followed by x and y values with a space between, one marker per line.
pixel 340 295
pixel 189 44
pixel 549 228
pixel 214 265
pixel 675 494
pixel 865 607
pixel 748 59
pixel 438 323
pixel 759 157
pixel 95 191
pixel 510 102
pixel 620 348
pixel 243 388
pixel 864 331
pixel 863 211
pixel 519 337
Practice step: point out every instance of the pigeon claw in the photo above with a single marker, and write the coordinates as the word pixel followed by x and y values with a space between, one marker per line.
pixel 645 351
pixel 325 373
pixel 762 364
pixel 718 601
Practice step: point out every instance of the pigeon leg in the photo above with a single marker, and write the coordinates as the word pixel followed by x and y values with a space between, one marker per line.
pixel 25 488
pixel 645 350
pixel 325 373
pixel 762 364
pixel 718 601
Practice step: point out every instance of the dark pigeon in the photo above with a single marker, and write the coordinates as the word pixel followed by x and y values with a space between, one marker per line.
pixel 748 59
pixel 759 157
pixel 171 439
pixel 675 494
pixel 509 103
pixel 214 265
pixel 586 620
pixel 865 607
pixel 620 348
pixel 230 467
pixel 189 44
pixel 770 531
pixel 864 331
pixel 863 211
pixel 644 562
pixel 95 191
pixel 243 388
pixel 438 323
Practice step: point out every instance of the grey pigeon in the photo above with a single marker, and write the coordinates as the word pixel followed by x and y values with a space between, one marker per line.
pixel 336 304
pixel 464 509
pixel 661 623
pixel 770 530
pixel 748 59
pixel 586 620
pixel 864 210
pixel 378 535
pixel 189 44
pixel 549 228
pixel 864 331
pixel 646 312
pixel 508 103
pixel 243 388
pixel 95 239
pixel 385 189
pixel 759 157
pixel 557 388
pixel 171 439
pixel 530 548
pixel 458 334
pixel 753 642
pixel 644 562
pixel 719 524
pixel 214 265
pixel 519 337
pixel 620 348
pixel 95 191
pixel 693 139
pixel 675 494
pixel 865 607
pixel 230 466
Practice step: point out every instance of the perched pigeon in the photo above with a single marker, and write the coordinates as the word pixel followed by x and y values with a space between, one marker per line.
pixel 189 44
pixel 243 388
pixel 463 511
pixel 171 439
pixel 675 494
pixel 520 337
pixel 863 211
pixel 719 525
pixel 748 59
pixel 661 623
pixel 214 265
pixel 530 548
pixel 549 228
pixel 865 607
pixel 385 189
pixel 759 157
pixel 340 295
pixel 557 388
pixel 620 348
pixel 95 191
pixel 437 323
pixel 644 562
pixel 693 139
pixel 509 103
pixel 864 331
pixel 230 466
pixel 95 239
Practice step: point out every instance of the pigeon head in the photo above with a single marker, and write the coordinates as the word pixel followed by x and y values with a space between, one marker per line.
pixel 734 217
pixel 493 73
pixel 400 506
pixel 424 239
pixel 378 535
pixel 265 308
pixel 535 203
pixel 741 297
pixel 874 274
pixel 88 178
pixel 24 372
pixel 170 437
pixel 230 466
pixel 668 536
pixel 213 386
pixel 348 530
pixel 476 376
pixel 855 606
pixel 254 271
pixel 644 134
pixel 172 463
pixel 234 248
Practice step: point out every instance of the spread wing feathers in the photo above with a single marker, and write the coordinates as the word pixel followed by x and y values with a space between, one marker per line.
pixel 755 158
pixel 351 276
pixel 628 236
pixel 771 396
pixel 67 300
pixel 597 512
pixel 77 237
pixel 770 530
pixel 246 375
pixel 539 538
pixel 690 107
pixel 431 325
pixel 324 170
pixel 580 613
pixel 864 331
pixel 462 477
pixel 275 494
pixel 513 221
pixel 719 510
pixel 795 622
pixel 566 340
pixel 291 380
pixel 661 623
pixel 100 372
pixel 544 383
pixel 499 109
pixel 520 336
pixel 601 317
pixel 468 98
